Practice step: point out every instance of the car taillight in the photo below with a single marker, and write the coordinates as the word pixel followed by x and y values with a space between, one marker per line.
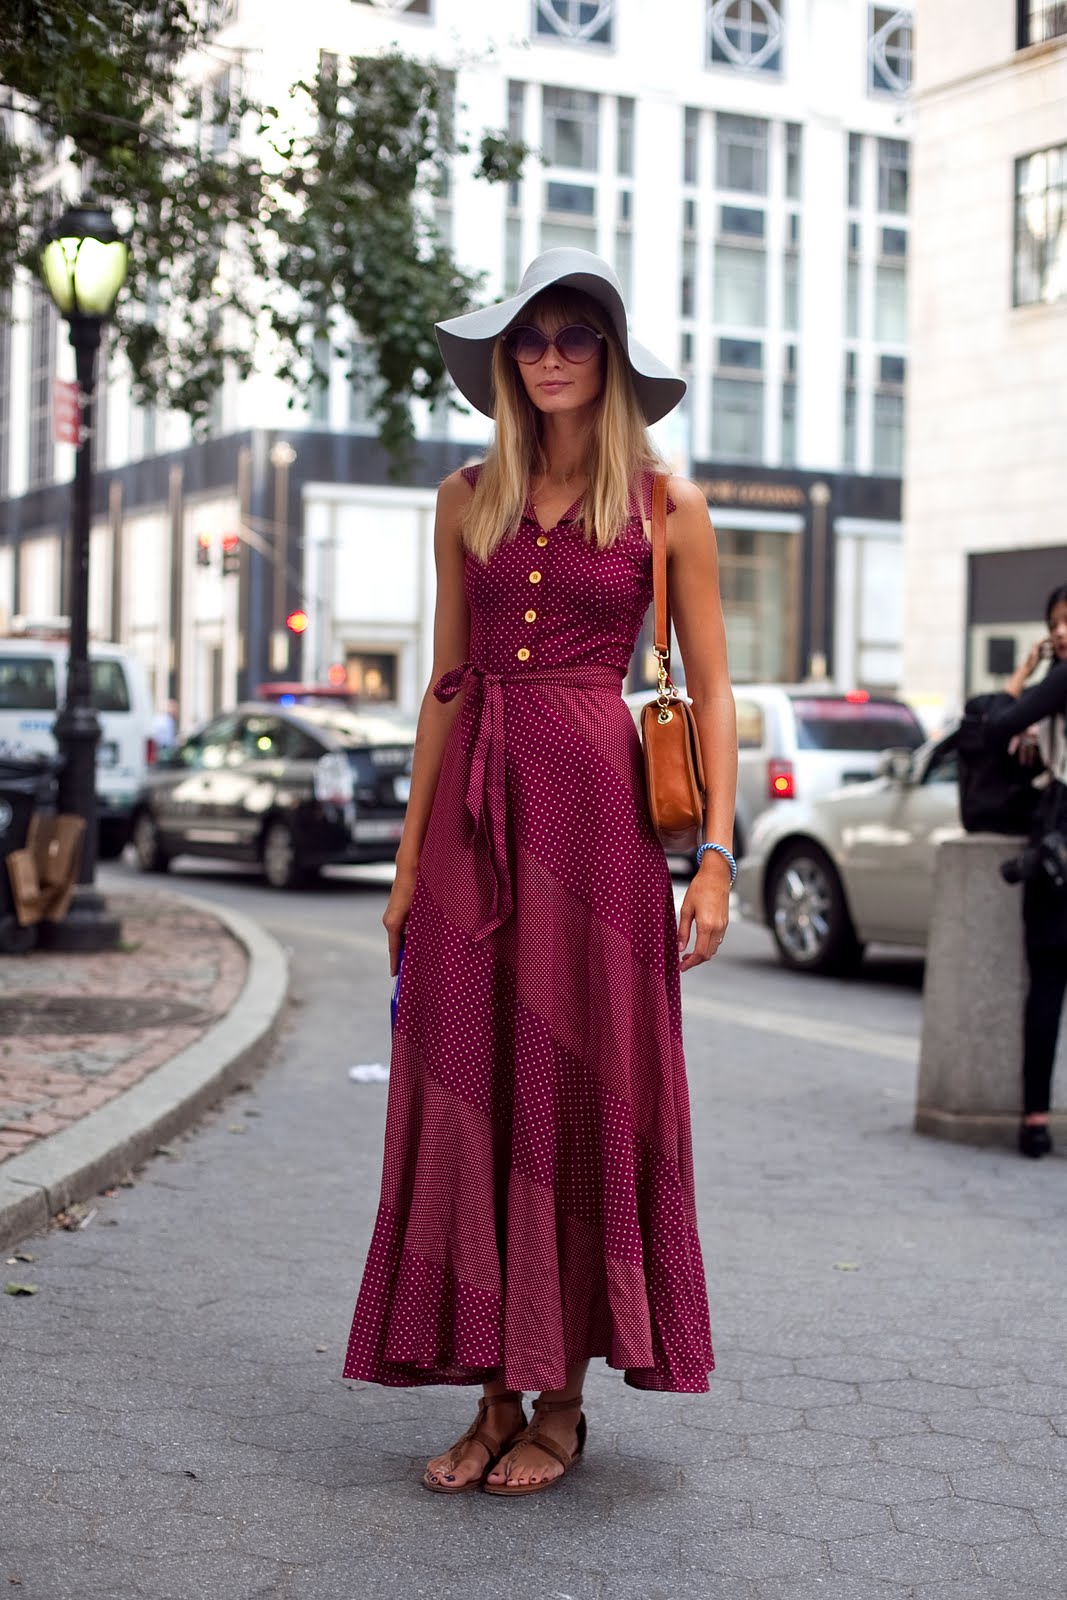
pixel 333 780
pixel 150 752
pixel 781 782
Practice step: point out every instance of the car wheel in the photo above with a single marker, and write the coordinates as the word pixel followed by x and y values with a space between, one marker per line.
pixel 808 913
pixel 281 865
pixel 147 845
pixel 111 840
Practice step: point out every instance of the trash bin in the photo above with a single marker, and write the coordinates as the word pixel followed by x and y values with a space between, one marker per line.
pixel 27 785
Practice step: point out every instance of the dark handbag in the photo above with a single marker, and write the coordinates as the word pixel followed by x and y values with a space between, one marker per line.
pixel 996 790
pixel 674 768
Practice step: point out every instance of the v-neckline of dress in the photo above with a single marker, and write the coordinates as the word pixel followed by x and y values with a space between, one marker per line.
pixel 566 516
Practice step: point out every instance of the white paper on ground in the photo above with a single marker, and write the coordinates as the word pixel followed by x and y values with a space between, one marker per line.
pixel 369 1072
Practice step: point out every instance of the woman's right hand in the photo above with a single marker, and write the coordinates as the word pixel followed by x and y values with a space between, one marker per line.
pixel 1035 655
pixel 395 916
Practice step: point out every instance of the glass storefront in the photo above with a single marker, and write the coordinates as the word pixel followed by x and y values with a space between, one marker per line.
pixel 760 583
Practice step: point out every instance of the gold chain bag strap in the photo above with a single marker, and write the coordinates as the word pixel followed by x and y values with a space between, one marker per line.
pixel 674 770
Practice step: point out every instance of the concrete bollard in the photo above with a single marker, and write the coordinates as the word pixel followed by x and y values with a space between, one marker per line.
pixel 970 1064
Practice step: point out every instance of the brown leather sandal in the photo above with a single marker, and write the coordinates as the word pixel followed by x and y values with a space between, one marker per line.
pixel 476 1434
pixel 532 1435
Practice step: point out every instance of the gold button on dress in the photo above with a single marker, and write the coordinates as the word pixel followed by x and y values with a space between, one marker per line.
pixel 531 616
pixel 523 654
pixel 535 577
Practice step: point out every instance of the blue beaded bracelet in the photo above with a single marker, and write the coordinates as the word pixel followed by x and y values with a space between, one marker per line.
pixel 720 850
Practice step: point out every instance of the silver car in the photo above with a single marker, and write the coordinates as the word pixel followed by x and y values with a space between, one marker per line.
pixel 832 875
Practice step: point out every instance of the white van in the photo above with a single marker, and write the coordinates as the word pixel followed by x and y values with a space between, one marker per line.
pixel 33 680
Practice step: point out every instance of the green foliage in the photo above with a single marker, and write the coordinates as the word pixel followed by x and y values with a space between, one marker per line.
pixel 323 236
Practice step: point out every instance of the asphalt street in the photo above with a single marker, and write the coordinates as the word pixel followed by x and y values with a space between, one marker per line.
pixel 888 1421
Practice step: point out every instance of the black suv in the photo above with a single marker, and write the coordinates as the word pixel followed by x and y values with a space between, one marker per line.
pixel 294 789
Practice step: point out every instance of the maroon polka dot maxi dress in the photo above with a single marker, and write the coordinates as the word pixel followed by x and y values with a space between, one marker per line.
pixel 537 1195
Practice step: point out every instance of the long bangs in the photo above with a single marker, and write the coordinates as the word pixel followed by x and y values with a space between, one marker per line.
pixel 619 446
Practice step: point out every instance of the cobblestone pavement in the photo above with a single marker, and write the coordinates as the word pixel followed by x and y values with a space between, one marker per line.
pixel 888 1421
pixel 76 1030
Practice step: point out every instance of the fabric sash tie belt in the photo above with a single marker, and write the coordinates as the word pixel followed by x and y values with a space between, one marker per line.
pixel 487 786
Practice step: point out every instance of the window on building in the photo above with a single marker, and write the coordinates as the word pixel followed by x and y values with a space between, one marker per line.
pixel 576 21
pixel 691 146
pixel 570 199
pixel 371 674
pixel 1039 20
pixel 789 423
pixel 891 370
pixel 890 305
pixel 854 239
pixel 623 262
pixel 685 352
pixel 855 170
pixel 741 222
pixel 848 434
pixel 411 8
pixel 571 128
pixel 362 390
pixel 889 49
pixel 43 327
pixel 852 300
pixel 624 137
pixel 1041 227
pixel 745 34
pixel 894 242
pixel 741 153
pixel 737 419
pixel 791 291
pixel 688 298
pixel 319 395
pixel 793 149
pixel 516 128
pixel 792 230
pixel 740 289
pixel 512 254
pixel 887 454
pixel 893 175
pixel 746 354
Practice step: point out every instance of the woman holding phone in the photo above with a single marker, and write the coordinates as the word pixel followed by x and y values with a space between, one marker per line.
pixel 537 1204
pixel 1042 707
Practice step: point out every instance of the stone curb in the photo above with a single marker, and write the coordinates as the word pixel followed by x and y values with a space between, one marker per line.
pixel 102 1147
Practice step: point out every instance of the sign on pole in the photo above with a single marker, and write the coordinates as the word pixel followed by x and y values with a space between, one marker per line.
pixel 66 412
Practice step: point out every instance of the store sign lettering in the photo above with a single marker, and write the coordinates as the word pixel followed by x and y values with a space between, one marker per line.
pixel 724 491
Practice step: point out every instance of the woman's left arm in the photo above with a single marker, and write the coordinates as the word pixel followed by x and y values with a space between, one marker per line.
pixel 696 610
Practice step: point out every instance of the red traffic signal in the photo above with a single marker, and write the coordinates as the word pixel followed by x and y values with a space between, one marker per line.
pixel 203 550
pixel 231 553
pixel 297 621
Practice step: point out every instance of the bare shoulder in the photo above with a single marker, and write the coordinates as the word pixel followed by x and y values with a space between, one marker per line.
pixel 686 496
pixel 689 522
pixel 455 492
pixel 453 498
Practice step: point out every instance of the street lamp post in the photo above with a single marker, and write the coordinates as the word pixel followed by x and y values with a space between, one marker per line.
pixel 83 264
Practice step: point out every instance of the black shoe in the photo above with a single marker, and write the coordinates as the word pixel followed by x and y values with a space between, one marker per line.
pixel 1034 1139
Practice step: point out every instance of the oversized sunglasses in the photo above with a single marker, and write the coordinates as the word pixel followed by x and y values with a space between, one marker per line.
pixel 575 343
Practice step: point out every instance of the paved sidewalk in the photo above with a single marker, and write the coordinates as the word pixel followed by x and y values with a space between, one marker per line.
pixel 101 1056
pixel 75 1031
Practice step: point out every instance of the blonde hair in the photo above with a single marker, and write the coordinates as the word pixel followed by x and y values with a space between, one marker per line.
pixel 619 446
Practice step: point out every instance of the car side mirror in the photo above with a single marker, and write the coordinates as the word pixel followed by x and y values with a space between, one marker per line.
pixel 896 765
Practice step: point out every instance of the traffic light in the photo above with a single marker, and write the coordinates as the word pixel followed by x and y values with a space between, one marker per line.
pixel 297 621
pixel 203 550
pixel 231 553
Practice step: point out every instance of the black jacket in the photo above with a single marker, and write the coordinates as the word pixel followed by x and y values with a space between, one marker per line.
pixel 1044 906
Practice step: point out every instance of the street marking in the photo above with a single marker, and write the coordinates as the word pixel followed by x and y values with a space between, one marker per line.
pixel 789 1024
pixel 835 1035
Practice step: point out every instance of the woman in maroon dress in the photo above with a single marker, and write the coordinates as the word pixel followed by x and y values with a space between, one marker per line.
pixel 537 1197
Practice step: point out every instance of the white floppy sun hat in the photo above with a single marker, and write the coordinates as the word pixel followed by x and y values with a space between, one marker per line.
pixel 467 342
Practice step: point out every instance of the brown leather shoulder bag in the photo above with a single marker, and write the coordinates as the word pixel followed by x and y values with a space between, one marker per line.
pixel 674 768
